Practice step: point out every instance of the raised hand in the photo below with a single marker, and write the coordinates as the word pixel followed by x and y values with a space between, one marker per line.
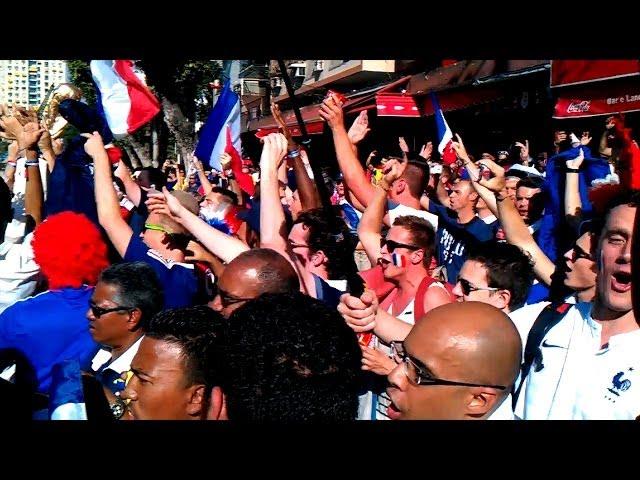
pixel 225 161
pixel 460 150
pixel 359 128
pixel 273 151
pixel 585 139
pixel 392 171
pixel 94 145
pixel 426 150
pixel 576 162
pixel 497 183
pixel 331 112
pixel 44 144
pixel 403 145
pixel 559 136
pixel 524 150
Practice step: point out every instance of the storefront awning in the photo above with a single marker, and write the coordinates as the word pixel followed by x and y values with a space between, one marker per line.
pixel 613 96
pixel 588 88
pixel 458 86
pixel 363 100
pixel 579 72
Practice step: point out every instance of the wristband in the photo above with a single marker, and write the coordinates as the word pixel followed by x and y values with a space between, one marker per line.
pixel 32 164
pixel 294 153
pixel 572 170
pixel 12 164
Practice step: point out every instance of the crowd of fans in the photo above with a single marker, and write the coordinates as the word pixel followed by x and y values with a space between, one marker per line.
pixel 407 287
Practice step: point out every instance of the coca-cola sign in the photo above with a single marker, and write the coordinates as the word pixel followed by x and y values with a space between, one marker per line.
pixel 579 107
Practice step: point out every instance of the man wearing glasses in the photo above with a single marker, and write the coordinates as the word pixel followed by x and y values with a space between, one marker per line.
pixel 499 274
pixel 458 363
pixel 126 297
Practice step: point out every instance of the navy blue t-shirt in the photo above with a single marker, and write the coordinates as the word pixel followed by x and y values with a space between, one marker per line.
pixel 179 280
pixel 453 238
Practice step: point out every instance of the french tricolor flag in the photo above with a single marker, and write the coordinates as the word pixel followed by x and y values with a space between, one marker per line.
pixel 123 98
pixel 445 137
pixel 213 135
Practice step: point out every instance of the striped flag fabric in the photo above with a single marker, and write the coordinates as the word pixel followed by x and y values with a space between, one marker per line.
pixel 445 136
pixel 124 99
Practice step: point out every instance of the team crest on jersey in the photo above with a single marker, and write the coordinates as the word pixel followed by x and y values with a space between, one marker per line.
pixel 619 384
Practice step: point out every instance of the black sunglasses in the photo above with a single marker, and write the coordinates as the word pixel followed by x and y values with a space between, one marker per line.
pixel 468 287
pixel 99 311
pixel 579 253
pixel 227 300
pixel 416 372
pixel 392 245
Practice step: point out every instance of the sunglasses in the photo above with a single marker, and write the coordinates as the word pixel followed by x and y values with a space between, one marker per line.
pixel 578 253
pixel 468 287
pixel 392 245
pixel 227 300
pixel 99 311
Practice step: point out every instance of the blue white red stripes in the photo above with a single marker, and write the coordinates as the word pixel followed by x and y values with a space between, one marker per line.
pixel 445 136
pixel 125 101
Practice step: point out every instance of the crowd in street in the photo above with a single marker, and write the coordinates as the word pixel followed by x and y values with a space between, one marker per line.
pixel 409 286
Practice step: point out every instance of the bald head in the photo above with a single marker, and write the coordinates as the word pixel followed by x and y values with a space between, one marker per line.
pixel 252 273
pixel 473 341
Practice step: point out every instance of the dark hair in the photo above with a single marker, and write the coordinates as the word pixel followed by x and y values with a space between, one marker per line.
pixel 416 174
pixel 290 358
pixel 422 234
pixel 508 268
pixel 329 232
pixel 199 332
pixel 138 287
pixel 227 193
pixel 275 273
pixel 152 176
pixel 530 182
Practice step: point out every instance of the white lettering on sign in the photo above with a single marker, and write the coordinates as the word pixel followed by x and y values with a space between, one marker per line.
pixel 632 98
pixel 579 106
pixel 612 101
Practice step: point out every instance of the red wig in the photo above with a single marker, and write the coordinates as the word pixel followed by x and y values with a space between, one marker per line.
pixel 69 249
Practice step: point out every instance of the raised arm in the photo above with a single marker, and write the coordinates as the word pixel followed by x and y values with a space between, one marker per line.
pixel 106 198
pixel 46 148
pixel 272 220
pixel 476 174
pixel 354 175
pixel 34 194
pixel 371 222
pixel 204 181
pixel 220 244
pixel 516 231
pixel 309 196
pixel 131 188
pixel 572 201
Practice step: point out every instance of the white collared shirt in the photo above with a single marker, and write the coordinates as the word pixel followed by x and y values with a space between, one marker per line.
pixel 609 388
pixel 120 364
pixel 549 393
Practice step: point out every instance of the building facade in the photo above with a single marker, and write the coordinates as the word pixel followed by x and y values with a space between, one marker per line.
pixel 26 82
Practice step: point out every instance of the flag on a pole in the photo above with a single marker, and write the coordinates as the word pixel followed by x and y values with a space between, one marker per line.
pixel 213 134
pixel 124 99
pixel 445 137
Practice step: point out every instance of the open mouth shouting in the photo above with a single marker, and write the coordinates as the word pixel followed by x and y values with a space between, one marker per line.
pixel 621 281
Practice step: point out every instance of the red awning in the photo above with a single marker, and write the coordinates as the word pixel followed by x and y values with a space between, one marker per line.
pixel 363 100
pixel 576 72
pixel 613 96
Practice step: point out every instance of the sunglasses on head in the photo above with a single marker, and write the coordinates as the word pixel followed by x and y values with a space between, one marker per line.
pixel 392 245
